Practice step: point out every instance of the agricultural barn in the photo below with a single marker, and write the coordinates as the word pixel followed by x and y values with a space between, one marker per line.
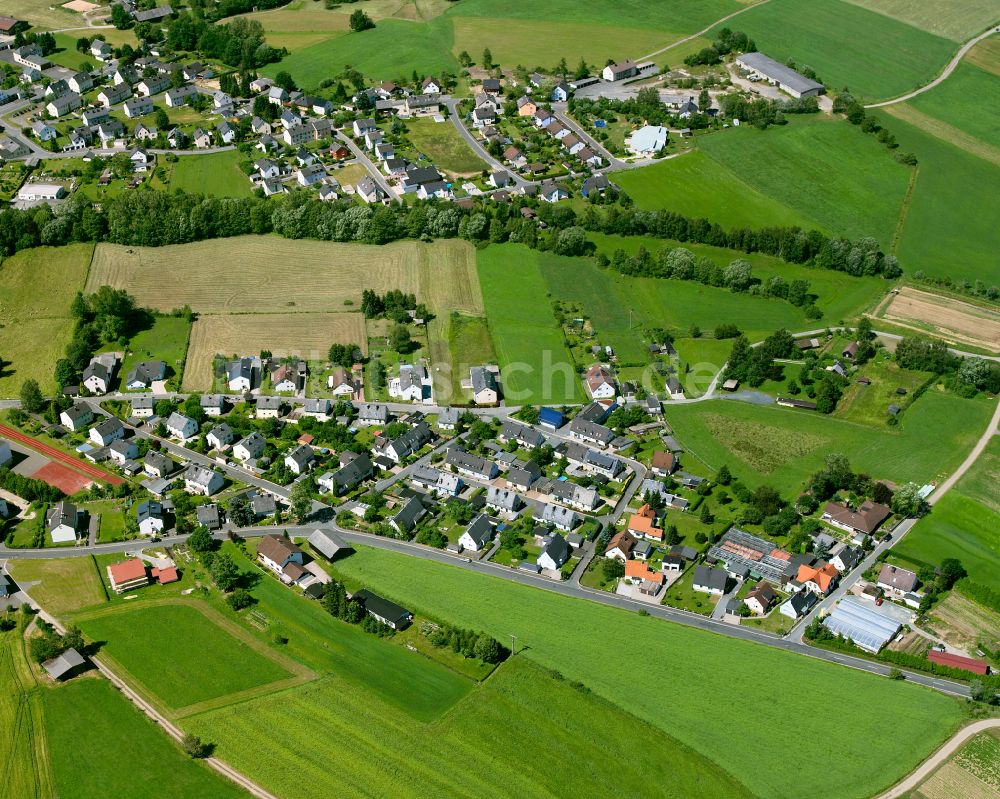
pixel 777 74
pixel 862 623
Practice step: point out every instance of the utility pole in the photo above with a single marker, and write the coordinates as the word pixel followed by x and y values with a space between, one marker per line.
pixel 513 644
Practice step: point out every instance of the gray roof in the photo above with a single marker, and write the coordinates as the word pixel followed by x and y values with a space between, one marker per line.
pixel 777 71
pixel 62 665
pixel 159 462
pixel 200 475
pixel 502 498
pixel 149 510
pixel 372 412
pixel 109 427
pixel 480 530
pixel 302 455
pixel 710 578
pixel 466 461
pixel 352 472
pixel 62 513
pixel 482 378
pixel 555 547
pixel 326 543
pixel 409 514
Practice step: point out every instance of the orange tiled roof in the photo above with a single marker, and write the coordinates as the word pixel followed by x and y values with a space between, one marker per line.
pixel 637 570
pixel 127 570
pixel 644 523
pixel 823 577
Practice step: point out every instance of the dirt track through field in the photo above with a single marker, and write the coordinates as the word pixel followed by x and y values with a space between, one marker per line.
pixel 958 320
pixel 58 455
pixel 946 132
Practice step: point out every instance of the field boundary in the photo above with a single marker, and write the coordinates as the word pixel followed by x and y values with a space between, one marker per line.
pixel 300 674
pixel 947 133
pixel 904 210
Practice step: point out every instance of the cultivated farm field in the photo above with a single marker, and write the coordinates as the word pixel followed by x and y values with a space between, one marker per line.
pixel 953 102
pixel 200 642
pixel 876 56
pixel 303 335
pixel 36 325
pixel 965 524
pixel 973 772
pixel 559 633
pixel 950 318
pixel 986 55
pixel 269 274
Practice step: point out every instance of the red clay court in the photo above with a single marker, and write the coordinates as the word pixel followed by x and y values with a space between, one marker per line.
pixel 81 470
pixel 62 477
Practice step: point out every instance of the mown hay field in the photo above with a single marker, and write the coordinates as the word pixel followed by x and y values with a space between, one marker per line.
pixel 524 729
pixel 24 766
pixel 559 633
pixel 261 274
pixel 62 585
pixel 302 335
pixel 955 19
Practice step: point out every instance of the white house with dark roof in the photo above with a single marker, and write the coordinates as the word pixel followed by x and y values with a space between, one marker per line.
pixel 249 448
pixel 62 522
pixel 76 417
pixel 181 426
pixel 220 436
pixel 478 534
pixel 106 432
pixel 300 459
pixel 203 481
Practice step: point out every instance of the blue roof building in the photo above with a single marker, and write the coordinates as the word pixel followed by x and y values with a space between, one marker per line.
pixel 551 418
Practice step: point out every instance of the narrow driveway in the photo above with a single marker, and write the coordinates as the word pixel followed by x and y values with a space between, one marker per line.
pixel 477 145
pixel 373 170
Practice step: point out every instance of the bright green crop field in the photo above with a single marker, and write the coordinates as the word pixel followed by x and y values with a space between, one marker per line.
pixel 101 746
pixel 965 524
pixel 523 729
pixel 179 654
pixel 781 446
pixel 876 56
pixel 696 670
pixel 954 19
pixel 524 329
pixel 957 102
pixel 826 169
pixel 943 235
pixel 698 186
pixel 215 174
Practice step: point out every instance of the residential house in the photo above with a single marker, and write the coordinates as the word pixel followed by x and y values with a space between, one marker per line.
pixel 119 451
pixel 213 404
pixel 798 605
pixel 558 516
pixel 353 472
pixel 621 546
pixel 555 552
pixel 220 436
pixel 620 71
pixel 820 578
pixel 600 382
pixel 138 107
pixel 372 414
pixel 526 107
pixel 436 481
pixel 60 106
pixel 63 522
pixel 478 534
pixel 300 459
pixel 243 374
pixel 127 574
pixel 896 582
pixel 147 87
pixel 407 517
pixel 523 477
pixel 369 191
pixel 175 98
pixel 150 517
pixel 112 95
pixel 448 418
pixel 642 524
pixel 202 139
pixel 158 465
pixel 847 559
pixel 142 161
pixel 43 131
pixel 711 581
pixel 106 432
pixel 76 417
pixel 638 573
pixel 664 463
pixel 761 599
pixel 270 407
pixel 249 448
pixel 144 374
pixel 503 500
pixel 97 376
pixel 282 556
pixel 485 390
pixel 413 384
pixel 552 192
pixel 203 481
pixel 560 92
pixel 583 430
pixel 674 388
pixel 525 436
pixel 389 613
pixel 318 408
pixel 341 383
pixel 866 519
pixel 430 86
pixel 181 426
pixel 409 443
pixel 470 465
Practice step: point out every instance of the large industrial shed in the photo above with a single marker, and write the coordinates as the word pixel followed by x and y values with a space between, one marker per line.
pixel 776 73
pixel 862 623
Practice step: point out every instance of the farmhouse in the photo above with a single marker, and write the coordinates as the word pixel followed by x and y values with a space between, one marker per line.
pixel 282 557
pixel 389 613
pixel 761 67
pixel 866 519
pixel 63 521
pixel 127 574
pixel 478 534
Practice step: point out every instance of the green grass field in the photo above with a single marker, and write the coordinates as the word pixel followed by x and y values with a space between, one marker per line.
pixel 525 730
pixel 840 296
pixel 941 237
pixel 559 633
pixel 444 146
pixel 965 524
pixel 216 174
pixel 66 54
pixel 468 344
pixel 954 19
pixel 101 746
pixel 24 762
pixel 698 186
pixel 869 404
pixel 202 656
pixel 166 340
pixel 826 169
pixel 534 364
pixel 957 102
pixel 37 325
pixel 874 55
pixel 390 51
pixel 782 447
